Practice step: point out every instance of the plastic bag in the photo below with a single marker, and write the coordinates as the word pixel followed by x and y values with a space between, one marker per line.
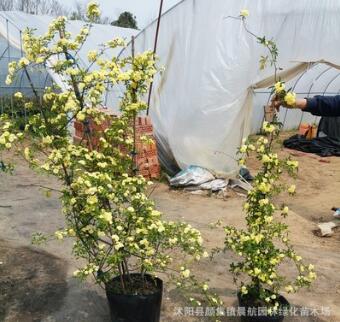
pixel 191 176
pixel 214 185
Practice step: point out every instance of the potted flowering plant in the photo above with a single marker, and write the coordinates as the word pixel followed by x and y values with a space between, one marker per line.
pixel 115 227
pixel 264 245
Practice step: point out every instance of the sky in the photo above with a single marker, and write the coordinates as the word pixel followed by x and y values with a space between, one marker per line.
pixel 145 10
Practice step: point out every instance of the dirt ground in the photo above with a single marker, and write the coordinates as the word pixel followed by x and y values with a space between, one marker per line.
pixel 36 284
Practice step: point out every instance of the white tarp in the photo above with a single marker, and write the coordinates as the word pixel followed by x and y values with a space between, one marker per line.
pixel 12 23
pixel 201 105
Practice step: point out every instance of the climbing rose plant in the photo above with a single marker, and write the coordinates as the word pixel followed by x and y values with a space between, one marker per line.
pixel 264 245
pixel 108 214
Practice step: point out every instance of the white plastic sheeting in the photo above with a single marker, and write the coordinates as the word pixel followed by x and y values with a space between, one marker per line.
pixel 12 23
pixel 202 104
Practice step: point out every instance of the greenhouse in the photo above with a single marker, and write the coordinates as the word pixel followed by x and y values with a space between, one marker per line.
pixel 187 171
pixel 220 99
pixel 12 25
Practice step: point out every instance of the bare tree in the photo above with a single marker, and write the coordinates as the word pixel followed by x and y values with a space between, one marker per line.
pixel 79 12
pixel 49 7
pixel 42 7
pixel 6 5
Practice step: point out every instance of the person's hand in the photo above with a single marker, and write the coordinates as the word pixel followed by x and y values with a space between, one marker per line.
pixel 276 103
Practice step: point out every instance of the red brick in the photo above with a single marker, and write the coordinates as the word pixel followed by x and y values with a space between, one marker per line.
pixel 153 160
pixel 146 160
pixel 145 129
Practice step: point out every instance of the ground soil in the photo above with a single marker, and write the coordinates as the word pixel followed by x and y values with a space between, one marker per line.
pixel 36 284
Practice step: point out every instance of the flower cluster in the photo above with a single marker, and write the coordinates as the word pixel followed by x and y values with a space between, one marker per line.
pixel 287 97
pixel 108 213
pixel 265 245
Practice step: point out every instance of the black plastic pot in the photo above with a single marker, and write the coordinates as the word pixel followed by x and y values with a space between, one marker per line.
pixel 246 303
pixel 135 308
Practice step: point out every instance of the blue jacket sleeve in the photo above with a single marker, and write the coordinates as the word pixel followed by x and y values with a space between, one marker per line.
pixel 323 105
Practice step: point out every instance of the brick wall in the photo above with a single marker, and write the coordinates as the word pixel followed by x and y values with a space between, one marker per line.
pixel 146 159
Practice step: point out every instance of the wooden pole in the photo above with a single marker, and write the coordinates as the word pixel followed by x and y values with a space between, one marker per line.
pixel 155 48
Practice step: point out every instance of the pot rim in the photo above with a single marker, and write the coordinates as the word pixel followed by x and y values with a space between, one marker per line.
pixel 158 286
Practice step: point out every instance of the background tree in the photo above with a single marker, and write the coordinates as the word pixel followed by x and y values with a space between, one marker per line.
pixel 6 5
pixel 126 20
pixel 42 7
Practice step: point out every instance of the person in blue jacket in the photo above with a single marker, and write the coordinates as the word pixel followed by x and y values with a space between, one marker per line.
pixel 317 105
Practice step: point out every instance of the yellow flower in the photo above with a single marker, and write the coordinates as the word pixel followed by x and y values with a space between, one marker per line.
pixel 115 238
pixel 263 202
pixel 186 273
pixel 273 261
pixel 27 153
pixel 18 95
pixel 244 290
pixel 118 246
pixel 285 210
pixel 107 216
pixel 268 128
pixel 243 149
pixel 312 275
pixel 11 138
pixel 93 11
pixel 8 80
pixel 290 99
pixel 257 271
pixel 244 13
pixel 292 189
pixel 59 235
pixel 71 232
pixel 266 158
pixel 289 289
pixel 205 287
pixel 47 140
pixel 81 116
pixel 23 62
pixel 258 239
pixel 91 200
pixel 293 164
pixel 279 87
pixel 92 55
pixel 264 187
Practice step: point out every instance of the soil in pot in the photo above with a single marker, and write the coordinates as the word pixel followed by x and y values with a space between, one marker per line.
pixel 255 310
pixel 141 301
